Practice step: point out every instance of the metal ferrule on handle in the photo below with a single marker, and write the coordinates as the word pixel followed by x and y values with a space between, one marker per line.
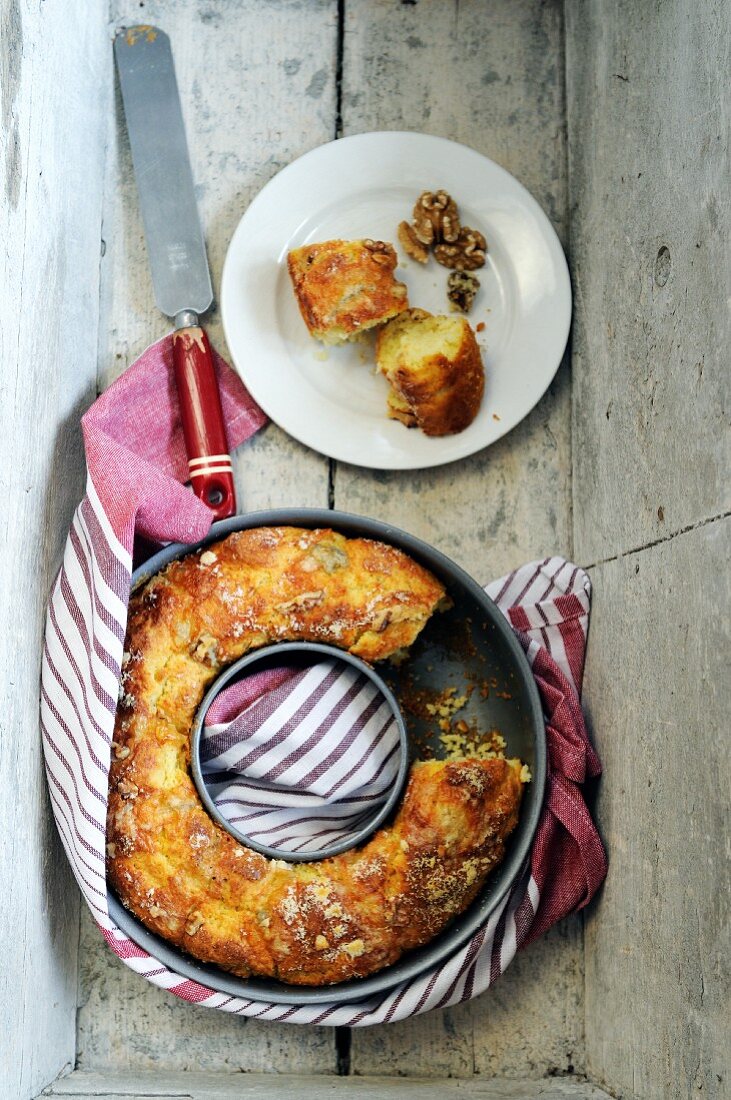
pixel 209 463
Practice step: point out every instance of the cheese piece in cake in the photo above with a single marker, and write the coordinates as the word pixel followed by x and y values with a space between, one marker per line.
pixel 344 288
pixel 435 369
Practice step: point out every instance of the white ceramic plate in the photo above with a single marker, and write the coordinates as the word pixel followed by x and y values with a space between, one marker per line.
pixel 331 398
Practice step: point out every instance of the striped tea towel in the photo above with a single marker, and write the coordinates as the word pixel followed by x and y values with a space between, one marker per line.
pixel 136 466
pixel 299 759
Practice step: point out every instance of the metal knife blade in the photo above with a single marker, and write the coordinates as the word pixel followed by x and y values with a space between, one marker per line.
pixel 175 244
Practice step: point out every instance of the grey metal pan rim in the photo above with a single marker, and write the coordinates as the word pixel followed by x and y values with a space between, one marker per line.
pixel 531 733
pixel 287 651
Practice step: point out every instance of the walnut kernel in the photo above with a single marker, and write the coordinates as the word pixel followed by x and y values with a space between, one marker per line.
pixel 411 244
pixel 304 602
pixel 127 789
pixel 436 218
pixel 466 254
pixel 461 289
pixel 194 924
pixel 381 252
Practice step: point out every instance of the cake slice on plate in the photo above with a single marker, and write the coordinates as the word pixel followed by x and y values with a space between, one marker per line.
pixel 435 369
pixel 344 288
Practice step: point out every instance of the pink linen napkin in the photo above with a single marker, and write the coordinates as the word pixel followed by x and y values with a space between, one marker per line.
pixel 136 464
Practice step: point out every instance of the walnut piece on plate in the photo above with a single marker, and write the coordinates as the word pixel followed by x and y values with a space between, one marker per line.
pixel 436 227
pixel 436 218
pixel 466 253
pixel 411 244
pixel 461 289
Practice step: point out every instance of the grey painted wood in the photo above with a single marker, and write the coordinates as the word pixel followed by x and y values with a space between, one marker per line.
pixel 532 1022
pixel 657 943
pixel 651 252
pixel 490 75
pixel 51 155
pixel 198 1086
pixel 648 132
pixel 257 82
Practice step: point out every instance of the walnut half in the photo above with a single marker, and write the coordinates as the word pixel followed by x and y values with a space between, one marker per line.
pixel 411 244
pixel 466 254
pixel 436 218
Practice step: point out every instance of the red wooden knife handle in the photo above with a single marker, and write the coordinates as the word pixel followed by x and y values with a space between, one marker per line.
pixel 209 462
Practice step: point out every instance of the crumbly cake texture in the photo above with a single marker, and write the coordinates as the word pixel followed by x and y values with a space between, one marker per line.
pixel 344 288
pixel 185 877
pixel 434 366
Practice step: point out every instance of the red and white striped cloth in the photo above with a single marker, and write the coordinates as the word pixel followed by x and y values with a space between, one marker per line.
pixel 299 759
pixel 136 466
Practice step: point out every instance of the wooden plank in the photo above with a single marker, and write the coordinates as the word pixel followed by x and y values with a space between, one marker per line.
pixel 532 1022
pixel 649 166
pixel 257 82
pixel 489 75
pixel 51 167
pixel 657 944
pixel 199 1086
pixel 651 239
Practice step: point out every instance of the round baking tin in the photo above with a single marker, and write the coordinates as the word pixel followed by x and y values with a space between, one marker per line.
pixel 519 719
pixel 303 653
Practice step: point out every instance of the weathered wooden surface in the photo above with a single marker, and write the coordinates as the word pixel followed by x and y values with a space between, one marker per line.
pixel 224 1086
pixel 657 944
pixel 649 168
pixel 51 156
pixel 650 162
pixel 263 81
pixel 489 75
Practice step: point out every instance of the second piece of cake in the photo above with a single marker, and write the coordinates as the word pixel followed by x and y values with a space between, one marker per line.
pixel 435 370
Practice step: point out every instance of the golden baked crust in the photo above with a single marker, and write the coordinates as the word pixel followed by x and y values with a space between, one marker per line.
pixel 345 287
pixel 435 369
pixel 185 877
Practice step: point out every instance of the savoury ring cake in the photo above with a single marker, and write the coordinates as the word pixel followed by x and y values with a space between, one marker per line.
pixel 190 881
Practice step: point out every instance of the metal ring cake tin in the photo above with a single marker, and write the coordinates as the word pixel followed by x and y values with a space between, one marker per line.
pixel 470 644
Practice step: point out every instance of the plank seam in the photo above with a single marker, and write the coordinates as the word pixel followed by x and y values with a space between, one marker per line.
pixel 658 542
pixel 339 61
pixel 343 1037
